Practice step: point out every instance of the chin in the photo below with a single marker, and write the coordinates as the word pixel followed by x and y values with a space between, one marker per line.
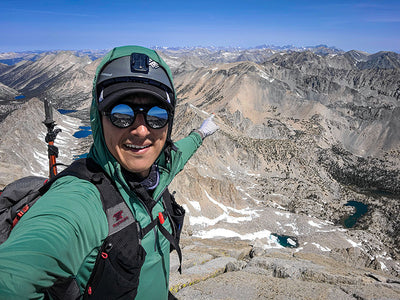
pixel 140 171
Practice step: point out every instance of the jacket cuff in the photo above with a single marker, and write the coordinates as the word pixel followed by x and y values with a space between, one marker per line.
pixel 199 133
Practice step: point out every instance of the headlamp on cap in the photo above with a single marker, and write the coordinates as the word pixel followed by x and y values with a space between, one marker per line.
pixel 139 63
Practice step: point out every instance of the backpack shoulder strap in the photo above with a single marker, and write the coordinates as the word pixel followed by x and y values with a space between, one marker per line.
pixel 176 215
pixel 118 214
pixel 113 204
pixel 88 169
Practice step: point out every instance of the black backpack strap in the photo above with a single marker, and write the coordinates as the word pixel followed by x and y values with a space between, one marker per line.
pixel 175 212
pixel 171 239
pixel 118 213
pixel 122 227
pixel 176 215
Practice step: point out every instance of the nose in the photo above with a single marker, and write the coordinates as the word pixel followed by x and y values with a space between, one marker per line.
pixel 139 127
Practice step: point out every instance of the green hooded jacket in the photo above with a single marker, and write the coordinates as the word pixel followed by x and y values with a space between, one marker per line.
pixel 61 234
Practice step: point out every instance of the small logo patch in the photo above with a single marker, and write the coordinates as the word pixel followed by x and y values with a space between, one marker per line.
pixel 153 64
pixel 119 218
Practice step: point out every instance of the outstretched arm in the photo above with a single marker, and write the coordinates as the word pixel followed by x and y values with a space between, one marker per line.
pixel 189 145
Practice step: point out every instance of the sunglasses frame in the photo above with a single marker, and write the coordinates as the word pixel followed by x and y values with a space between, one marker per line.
pixel 138 109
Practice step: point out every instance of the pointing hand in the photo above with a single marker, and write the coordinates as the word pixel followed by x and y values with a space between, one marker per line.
pixel 208 127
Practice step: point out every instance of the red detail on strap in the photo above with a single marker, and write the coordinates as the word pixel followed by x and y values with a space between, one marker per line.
pixel 19 215
pixel 89 290
pixel 25 208
pixel 15 221
pixel 104 255
pixel 161 217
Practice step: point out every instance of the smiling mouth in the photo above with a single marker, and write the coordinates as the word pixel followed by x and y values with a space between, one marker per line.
pixel 136 147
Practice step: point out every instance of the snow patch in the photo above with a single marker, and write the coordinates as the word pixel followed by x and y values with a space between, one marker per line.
pixel 246 215
pixel 272 241
pixel 354 244
pixel 196 205
pixel 312 223
pixel 201 220
pixel 286 215
pixel 226 209
pixel 265 76
pixel 294 228
pixel 383 266
pixel 325 249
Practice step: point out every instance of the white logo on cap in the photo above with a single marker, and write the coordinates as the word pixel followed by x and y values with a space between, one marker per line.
pixel 169 100
pixel 107 74
pixel 153 64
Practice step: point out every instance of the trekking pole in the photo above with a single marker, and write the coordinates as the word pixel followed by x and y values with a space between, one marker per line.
pixel 50 138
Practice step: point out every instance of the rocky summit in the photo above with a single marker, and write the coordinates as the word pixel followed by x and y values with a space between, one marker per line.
pixel 295 197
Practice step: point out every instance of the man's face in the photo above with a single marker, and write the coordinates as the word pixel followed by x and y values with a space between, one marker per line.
pixel 136 147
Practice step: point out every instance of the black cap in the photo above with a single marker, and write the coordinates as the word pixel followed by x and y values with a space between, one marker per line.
pixel 113 93
pixel 130 75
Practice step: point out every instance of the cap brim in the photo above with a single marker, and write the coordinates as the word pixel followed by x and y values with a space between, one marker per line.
pixel 117 92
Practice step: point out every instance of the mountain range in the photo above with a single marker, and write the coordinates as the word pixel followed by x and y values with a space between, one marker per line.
pixel 307 136
pixel 11 58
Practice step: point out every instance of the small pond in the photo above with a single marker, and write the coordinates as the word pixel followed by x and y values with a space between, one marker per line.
pixel 286 240
pixel 84 155
pixel 84 131
pixel 361 209
pixel 66 111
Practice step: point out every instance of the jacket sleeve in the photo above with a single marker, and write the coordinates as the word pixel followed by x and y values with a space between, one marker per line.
pixel 188 146
pixel 52 239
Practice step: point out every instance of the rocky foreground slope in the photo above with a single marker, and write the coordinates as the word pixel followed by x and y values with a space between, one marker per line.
pixel 233 269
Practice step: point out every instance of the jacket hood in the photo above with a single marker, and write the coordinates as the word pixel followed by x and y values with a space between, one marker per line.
pixel 99 151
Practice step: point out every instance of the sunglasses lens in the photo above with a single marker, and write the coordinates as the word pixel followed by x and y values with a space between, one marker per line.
pixel 157 117
pixel 122 116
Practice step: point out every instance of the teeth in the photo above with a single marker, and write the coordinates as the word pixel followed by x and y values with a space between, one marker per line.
pixel 135 147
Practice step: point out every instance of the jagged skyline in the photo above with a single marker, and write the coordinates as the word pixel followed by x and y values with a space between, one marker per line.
pixel 369 26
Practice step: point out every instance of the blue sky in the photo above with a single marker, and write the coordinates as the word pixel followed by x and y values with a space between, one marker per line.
pixel 369 26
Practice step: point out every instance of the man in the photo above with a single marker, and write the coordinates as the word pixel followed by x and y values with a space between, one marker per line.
pixel 60 237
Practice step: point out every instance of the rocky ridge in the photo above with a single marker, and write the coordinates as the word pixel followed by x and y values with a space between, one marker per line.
pixel 63 78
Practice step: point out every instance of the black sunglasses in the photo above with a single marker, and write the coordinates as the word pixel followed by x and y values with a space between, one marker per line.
pixel 124 115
